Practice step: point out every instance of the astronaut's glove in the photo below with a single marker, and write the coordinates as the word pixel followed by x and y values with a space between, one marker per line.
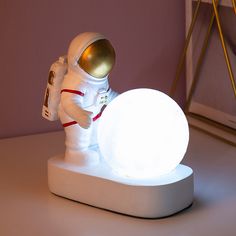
pixel 85 119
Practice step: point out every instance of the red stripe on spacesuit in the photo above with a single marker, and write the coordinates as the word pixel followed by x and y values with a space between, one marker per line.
pixel 97 116
pixel 73 91
pixel 69 123
pixel 94 118
pixel 74 122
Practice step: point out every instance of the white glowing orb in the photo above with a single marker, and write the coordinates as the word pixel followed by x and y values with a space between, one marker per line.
pixel 143 133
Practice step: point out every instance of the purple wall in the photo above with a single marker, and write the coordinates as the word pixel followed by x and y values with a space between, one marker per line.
pixel 147 35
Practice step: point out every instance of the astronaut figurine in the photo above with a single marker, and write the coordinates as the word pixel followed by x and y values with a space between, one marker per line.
pixel 85 92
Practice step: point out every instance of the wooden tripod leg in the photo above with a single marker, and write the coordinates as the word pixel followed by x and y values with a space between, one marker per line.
pixel 183 55
pixel 199 63
pixel 227 60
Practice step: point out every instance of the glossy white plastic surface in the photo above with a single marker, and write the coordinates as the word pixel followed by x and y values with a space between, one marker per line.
pixel 100 187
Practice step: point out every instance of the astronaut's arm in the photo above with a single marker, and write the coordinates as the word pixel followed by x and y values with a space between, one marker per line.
pixel 72 108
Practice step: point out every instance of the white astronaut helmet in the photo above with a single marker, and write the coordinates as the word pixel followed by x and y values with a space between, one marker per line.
pixel 92 53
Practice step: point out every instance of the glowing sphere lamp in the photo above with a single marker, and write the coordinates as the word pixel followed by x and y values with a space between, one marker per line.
pixel 143 136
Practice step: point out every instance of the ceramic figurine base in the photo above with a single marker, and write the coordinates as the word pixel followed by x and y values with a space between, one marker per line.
pixel 100 187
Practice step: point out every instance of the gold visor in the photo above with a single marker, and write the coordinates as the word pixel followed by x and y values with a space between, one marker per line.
pixel 98 58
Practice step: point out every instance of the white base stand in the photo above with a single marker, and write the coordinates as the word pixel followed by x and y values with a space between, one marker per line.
pixel 100 187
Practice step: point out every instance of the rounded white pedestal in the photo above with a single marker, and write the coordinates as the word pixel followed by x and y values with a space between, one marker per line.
pixel 100 187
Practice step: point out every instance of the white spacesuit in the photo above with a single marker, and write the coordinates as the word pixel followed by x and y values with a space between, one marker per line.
pixel 84 94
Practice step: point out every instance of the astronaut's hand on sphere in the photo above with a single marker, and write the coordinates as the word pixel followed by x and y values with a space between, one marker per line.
pixel 85 119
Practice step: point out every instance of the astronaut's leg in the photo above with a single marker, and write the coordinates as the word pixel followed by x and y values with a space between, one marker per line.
pixel 93 143
pixel 77 146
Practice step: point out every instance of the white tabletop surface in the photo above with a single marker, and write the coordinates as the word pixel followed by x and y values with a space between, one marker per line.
pixel 28 208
